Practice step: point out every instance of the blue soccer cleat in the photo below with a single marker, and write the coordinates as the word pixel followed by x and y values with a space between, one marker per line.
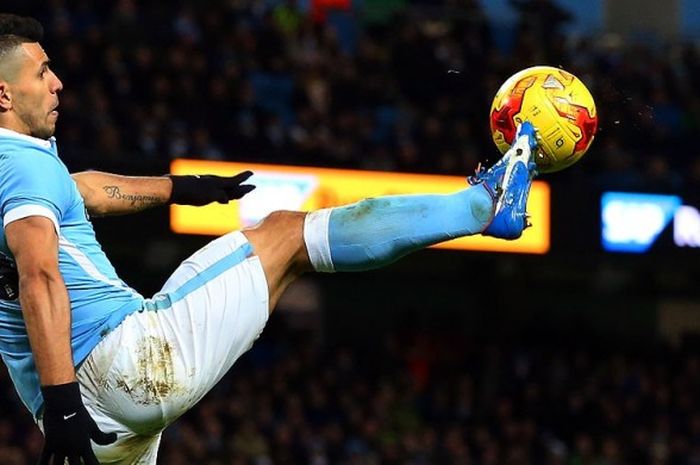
pixel 510 178
pixel 492 176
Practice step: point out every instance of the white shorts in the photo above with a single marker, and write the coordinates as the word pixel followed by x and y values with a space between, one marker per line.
pixel 161 361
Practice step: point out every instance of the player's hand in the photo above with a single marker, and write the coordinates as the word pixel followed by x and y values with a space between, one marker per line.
pixel 68 428
pixel 202 190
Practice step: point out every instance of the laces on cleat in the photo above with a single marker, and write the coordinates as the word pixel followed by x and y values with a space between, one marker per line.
pixel 475 178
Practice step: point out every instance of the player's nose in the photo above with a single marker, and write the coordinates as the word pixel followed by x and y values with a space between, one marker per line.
pixel 56 84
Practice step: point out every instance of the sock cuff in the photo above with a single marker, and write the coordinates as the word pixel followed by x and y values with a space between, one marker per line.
pixel 317 241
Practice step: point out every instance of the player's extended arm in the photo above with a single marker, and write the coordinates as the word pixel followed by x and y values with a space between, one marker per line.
pixel 68 427
pixel 112 194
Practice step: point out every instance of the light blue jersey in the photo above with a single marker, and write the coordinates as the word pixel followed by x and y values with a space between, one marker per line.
pixel 34 182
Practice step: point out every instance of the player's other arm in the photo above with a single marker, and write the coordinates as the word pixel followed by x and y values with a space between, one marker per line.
pixel 112 194
pixel 43 297
pixel 68 427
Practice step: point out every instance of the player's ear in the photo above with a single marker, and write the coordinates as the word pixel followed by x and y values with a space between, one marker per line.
pixel 5 97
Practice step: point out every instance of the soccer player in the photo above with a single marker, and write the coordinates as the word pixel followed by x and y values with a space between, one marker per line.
pixel 93 360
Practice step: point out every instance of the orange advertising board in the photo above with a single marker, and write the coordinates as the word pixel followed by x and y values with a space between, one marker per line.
pixel 281 187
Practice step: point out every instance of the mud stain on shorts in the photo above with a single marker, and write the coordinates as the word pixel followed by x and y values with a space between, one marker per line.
pixel 155 379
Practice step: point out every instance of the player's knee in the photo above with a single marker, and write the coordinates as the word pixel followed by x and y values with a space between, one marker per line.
pixel 278 240
pixel 284 218
pixel 280 228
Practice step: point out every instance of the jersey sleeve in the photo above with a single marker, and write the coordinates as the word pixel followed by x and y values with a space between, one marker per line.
pixel 33 184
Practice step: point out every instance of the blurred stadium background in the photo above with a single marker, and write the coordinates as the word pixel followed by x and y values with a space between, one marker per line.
pixel 585 355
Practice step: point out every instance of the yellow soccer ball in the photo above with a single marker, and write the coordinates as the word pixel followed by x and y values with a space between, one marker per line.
pixel 560 107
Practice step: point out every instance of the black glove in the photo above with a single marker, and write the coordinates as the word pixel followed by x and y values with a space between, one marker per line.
pixel 68 427
pixel 205 189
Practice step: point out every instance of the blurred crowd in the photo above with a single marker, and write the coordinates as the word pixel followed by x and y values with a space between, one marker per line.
pixel 363 84
pixel 429 400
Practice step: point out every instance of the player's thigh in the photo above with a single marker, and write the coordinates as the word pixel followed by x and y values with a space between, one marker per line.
pixel 159 362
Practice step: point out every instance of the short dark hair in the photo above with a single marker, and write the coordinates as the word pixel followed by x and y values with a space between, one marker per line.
pixel 20 28
pixel 17 30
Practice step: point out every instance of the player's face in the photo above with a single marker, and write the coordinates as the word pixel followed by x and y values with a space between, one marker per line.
pixel 35 93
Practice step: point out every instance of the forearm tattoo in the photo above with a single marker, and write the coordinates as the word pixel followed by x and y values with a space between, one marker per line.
pixel 135 201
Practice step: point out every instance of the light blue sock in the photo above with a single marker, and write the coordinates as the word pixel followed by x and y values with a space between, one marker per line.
pixel 378 231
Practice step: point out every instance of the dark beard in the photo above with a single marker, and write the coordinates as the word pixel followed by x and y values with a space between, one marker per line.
pixel 42 133
pixel 38 129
